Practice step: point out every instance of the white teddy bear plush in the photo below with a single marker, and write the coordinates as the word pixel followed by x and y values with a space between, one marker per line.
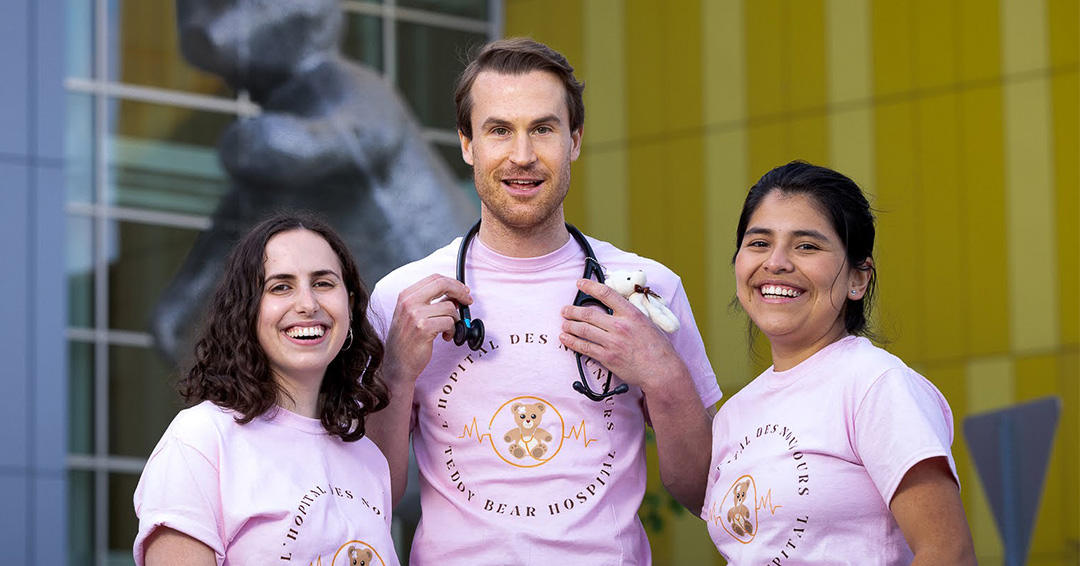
pixel 631 284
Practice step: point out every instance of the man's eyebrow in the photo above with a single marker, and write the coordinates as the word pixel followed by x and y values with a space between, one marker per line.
pixel 494 121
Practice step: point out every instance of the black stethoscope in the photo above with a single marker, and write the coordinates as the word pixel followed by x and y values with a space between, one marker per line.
pixel 470 330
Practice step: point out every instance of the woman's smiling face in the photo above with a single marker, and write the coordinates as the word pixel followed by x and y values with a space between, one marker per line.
pixel 305 307
pixel 793 278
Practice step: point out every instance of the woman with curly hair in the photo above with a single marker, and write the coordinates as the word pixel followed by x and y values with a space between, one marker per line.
pixel 271 463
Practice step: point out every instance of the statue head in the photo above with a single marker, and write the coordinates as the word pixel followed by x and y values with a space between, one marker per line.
pixel 256 44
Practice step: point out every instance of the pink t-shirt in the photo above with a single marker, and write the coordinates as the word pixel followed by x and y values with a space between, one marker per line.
pixel 278 490
pixel 564 486
pixel 805 461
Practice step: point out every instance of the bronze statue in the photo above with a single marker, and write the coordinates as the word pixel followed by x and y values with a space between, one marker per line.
pixel 333 137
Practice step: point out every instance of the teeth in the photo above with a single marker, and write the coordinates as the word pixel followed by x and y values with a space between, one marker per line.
pixel 778 291
pixel 305 332
pixel 522 182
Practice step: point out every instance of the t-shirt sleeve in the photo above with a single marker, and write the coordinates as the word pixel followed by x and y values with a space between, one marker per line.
pixel 688 343
pixel 179 489
pixel 380 312
pixel 902 420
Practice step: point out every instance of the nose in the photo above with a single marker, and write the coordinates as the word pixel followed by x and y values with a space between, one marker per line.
pixel 778 261
pixel 306 302
pixel 523 153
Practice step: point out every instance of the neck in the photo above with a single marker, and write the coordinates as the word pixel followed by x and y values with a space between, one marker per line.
pixel 299 396
pixel 533 241
pixel 787 356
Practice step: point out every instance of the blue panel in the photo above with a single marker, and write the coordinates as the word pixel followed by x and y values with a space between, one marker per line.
pixel 15 88
pixel 14 287
pixel 14 528
pixel 48 530
pixel 49 98
pixel 48 357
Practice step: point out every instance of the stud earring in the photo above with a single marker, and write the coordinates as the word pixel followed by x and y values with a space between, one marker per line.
pixel 854 292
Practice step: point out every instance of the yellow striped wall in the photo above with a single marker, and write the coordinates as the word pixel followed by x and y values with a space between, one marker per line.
pixel 959 117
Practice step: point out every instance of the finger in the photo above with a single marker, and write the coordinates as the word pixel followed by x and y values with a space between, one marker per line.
pixel 434 287
pixel 583 347
pixel 585 331
pixel 604 294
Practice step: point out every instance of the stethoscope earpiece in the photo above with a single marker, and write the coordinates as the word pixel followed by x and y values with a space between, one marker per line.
pixel 470 330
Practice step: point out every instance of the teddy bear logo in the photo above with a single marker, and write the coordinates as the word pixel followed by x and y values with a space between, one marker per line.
pixel 359 557
pixel 739 514
pixel 527 438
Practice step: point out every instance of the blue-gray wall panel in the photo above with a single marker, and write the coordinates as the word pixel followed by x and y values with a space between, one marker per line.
pixel 48 536
pixel 15 86
pixel 49 67
pixel 15 283
pixel 14 526
pixel 49 295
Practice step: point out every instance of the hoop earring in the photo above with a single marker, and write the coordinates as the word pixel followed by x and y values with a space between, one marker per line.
pixel 348 340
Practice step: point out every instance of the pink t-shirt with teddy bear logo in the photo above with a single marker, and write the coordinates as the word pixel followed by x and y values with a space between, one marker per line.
pixel 516 466
pixel 806 461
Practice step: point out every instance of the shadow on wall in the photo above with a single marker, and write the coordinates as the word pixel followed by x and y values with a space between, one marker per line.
pixel 332 137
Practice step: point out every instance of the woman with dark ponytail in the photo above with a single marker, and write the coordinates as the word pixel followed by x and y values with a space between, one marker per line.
pixel 839 453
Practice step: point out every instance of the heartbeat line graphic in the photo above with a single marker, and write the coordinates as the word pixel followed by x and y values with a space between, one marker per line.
pixel 767 501
pixel 578 433
pixel 473 431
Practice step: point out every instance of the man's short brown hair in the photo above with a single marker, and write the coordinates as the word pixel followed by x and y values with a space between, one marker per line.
pixel 518 56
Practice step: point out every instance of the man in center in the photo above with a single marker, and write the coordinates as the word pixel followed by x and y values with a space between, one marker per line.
pixel 517 465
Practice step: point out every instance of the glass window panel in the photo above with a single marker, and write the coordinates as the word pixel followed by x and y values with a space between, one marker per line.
pixel 429 62
pixel 477 9
pixel 79 147
pixel 146 49
pixel 79 251
pixel 80 517
pixel 165 158
pixel 79 38
pixel 142 399
pixel 80 398
pixel 451 154
pixel 363 40
pixel 147 258
pixel 123 524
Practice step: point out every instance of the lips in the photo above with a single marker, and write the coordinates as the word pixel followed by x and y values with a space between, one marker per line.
pixel 522 184
pixel 306 333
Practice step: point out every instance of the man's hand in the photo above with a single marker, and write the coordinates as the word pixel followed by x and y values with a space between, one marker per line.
pixel 626 341
pixel 423 311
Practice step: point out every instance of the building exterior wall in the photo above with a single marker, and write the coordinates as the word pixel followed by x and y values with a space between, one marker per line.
pixel 33 404
pixel 960 117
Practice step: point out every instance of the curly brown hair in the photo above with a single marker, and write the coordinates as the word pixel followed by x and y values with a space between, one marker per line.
pixel 232 370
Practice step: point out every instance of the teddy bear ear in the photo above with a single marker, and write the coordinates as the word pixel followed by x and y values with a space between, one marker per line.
pixel 516 407
pixel 540 407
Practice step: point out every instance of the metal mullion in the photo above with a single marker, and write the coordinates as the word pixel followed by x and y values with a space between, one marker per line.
pixel 389 27
pixel 496 19
pixel 111 337
pixel 416 16
pixel 140 216
pixel 101 294
pixel 240 105
pixel 122 464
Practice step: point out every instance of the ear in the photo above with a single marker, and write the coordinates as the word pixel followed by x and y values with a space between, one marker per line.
pixel 466 147
pixel 575 141
pixel 859 279
pixel 540 408
pixel 352 300
pixel 516 407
